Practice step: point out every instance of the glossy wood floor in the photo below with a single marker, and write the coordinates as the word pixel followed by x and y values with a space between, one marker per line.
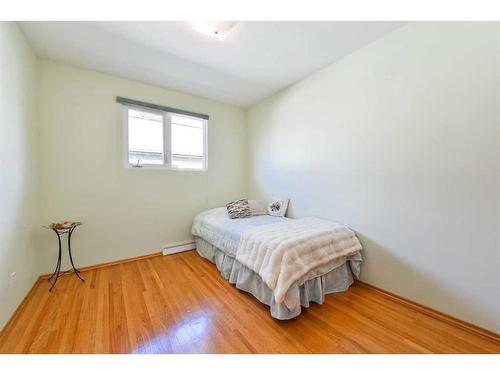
pixel 181 304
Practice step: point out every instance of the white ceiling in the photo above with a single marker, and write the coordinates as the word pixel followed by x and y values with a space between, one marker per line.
pixel 255 59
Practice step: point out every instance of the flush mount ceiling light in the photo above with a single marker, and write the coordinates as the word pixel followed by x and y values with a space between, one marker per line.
pixel 215 29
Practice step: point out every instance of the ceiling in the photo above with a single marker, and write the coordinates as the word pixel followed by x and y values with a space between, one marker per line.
pixel 253 61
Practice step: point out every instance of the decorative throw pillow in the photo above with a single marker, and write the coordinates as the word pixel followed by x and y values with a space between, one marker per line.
pixel 277 207
pixel 238 209
pixel 256 208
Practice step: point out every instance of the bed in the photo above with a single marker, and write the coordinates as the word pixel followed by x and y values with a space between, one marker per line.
pixel 219 239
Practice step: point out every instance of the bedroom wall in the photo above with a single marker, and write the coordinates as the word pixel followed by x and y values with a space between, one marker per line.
pixel 126 212
pixel 18 170
pixel 400 141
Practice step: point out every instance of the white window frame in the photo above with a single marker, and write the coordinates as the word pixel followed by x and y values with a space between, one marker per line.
pixel 167 141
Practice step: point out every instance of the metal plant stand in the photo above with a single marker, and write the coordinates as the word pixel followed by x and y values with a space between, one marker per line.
pixel 57 273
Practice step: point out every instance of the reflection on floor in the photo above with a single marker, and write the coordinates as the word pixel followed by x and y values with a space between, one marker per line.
pixel 181 304
pixel 192 330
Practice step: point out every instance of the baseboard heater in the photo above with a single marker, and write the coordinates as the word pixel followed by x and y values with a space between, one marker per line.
pixel 178 247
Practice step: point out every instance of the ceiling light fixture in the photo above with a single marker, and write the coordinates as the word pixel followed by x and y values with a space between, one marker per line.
pixel 215 29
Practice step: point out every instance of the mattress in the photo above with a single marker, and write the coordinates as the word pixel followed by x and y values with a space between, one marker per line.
pixel 216 227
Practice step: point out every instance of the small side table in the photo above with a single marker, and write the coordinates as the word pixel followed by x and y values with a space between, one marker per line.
pixel 59 229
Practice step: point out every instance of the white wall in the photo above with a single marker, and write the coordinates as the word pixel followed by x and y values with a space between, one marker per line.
pixel 126 212
pixel 18 173
pixel 399 140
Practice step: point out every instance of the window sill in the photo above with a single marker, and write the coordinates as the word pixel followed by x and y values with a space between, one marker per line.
pixel 165 168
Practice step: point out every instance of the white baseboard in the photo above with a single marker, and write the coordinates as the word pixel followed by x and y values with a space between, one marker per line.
pixel 178 247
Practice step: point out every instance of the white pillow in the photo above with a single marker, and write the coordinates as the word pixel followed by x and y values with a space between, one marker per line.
pixel 277 206
pixel 256 207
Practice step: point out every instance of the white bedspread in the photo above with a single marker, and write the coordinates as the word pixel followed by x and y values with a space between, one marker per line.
pixel 286 252
pixel 216 227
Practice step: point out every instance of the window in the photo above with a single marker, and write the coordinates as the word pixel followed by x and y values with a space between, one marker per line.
pixel 187 142
pixel 145 138
pixel 164 140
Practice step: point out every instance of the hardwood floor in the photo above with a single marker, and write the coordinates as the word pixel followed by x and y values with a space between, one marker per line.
pixel 181 304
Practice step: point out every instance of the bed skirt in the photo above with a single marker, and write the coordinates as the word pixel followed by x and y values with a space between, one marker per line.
pixel 337 280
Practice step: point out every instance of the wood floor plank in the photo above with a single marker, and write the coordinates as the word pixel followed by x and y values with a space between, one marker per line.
pixel 181 304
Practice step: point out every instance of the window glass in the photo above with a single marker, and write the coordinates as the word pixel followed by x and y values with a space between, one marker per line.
pixel 145 137
pixel 187 142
